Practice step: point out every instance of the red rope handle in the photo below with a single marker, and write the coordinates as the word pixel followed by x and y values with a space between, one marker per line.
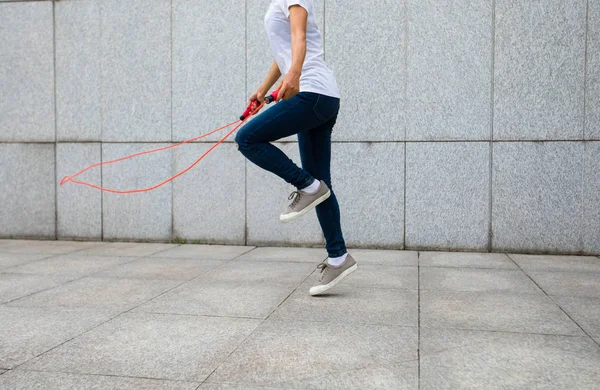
pixel 238 122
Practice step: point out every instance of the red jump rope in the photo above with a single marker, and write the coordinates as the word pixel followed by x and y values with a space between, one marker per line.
pixel 253 108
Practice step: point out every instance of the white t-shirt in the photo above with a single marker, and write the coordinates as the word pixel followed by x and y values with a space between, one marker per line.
pixel 316 76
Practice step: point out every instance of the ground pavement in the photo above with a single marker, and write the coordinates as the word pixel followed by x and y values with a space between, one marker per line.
pixel 77 315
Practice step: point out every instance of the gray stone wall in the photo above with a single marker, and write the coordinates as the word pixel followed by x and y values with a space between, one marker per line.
pixel 464 124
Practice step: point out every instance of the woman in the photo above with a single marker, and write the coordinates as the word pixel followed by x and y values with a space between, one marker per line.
pixel 308 105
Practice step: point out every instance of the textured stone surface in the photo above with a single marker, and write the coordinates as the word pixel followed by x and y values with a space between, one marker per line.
pixel 453 359
pixel 136 70
pixel 161 268
pixel 216 298
pixel 240 289
pixel 266 198
pixel 205 252
pixel 28 332
pixel 542 181
pixel 576 284
pixel 278 351
pixel 360 195
pixel 140 216
pixel 46 247
pixel 69 265
pixel 592 109
pixel 28 208
pixel 467 260
pixel 528 313
pixel 78 71
pixel 539 69
pixel 24 380
pixel 449 66
pixel 557 263
pixel 208 65
pixel 126 249
pixel 150 346
pixel 11 260
pixel 591 198
pixel 114 295
pixel 209 202
pixel 583 310
pixel 26 72
pixel 357 36
pixel 372 256
pixel 447 195
pixel 344 305
pixel 14 286
pixel 79 207
pixel 470 279
pixel 309 255
pixel 384 376
pixel 247 272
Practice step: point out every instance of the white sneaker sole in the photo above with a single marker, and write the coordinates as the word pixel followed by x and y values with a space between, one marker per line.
pixel 316 290
pixel 293 216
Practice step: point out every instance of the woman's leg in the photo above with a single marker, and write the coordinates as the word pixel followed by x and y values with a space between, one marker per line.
pixel 315 153
pixel 286 118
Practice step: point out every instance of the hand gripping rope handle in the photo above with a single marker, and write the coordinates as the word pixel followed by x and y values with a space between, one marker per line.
pixel 254 105
pixel 252 109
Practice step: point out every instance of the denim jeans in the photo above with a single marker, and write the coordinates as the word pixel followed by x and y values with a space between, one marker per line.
pixel 311 116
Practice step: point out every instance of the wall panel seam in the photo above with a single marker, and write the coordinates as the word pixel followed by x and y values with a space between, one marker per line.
pixel 585 66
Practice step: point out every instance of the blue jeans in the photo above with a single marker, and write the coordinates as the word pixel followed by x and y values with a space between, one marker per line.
pixel 311 116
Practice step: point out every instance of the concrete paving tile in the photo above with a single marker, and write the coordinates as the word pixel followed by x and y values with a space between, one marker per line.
pixel 161 268
pixel 8 260
pixel 583 310
pixel 217 298
pixel 452 359
pixel 466 260
pixel 471 279
pixel 346 304
pixel 132 249
pixel 264 273
pixel 27 332
pixel 26 380
pixel 154 346
pixel 283 351
pixel 45 247
pixel 69 265
pixel 568 283
pixel 389 376
pixel 500 311
pixel 209 252
pixel 371 256
pixel 13 286
pixel 116 295
pixel 557 263
pixel 229 386
pixel 380 276
pixel 309 255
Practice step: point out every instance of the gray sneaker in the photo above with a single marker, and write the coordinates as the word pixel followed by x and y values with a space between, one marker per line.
pixel 302 203
pixel 330 275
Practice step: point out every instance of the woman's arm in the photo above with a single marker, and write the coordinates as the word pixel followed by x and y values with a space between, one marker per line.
pixel 272 77
pixel 291 81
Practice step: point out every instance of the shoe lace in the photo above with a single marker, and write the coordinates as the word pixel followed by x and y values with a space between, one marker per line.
pixel 296 196
pixel 323 266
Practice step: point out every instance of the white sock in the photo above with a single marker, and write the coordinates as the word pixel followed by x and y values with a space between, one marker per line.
pixel 313 188
pixel 337 261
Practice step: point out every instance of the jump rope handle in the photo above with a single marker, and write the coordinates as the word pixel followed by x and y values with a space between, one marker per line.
pixel 254 105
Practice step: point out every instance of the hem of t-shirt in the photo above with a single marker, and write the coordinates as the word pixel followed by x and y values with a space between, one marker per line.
pixel 286 9
pixel 320 92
